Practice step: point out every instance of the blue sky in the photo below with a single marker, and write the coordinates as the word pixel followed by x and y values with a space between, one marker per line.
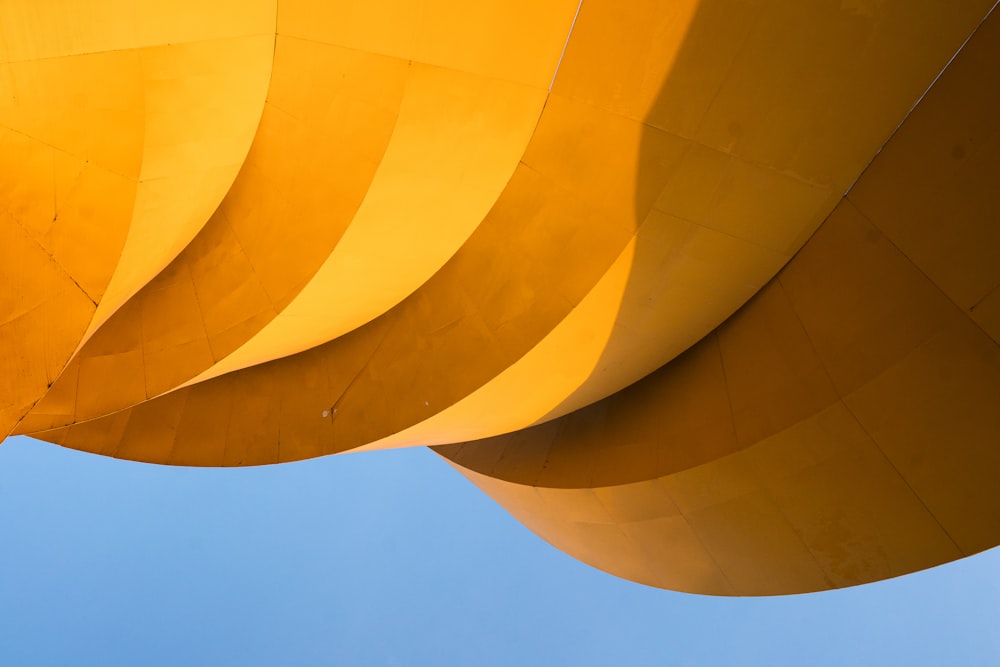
pixel 392 558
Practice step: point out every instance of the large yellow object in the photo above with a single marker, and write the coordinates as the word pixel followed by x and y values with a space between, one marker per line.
pixel 705 293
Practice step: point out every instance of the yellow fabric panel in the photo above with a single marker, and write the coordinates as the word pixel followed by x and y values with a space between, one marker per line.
pixel 775 518
pixel 450 222
pixel 455 143
pixel 203 101
pixel 55 197
pixel 33 30
pixel 721 227
pixel 538 380
pixel 513 40
pixel 243 266
pixel 946 145
pixel 813 487
pixel 65 213
pixel 91 106
pixel 769 366
pixel 855 404
pixel 438 323
pixel 548 175
pixel 673 173
pixel 106 140
pixel 37 292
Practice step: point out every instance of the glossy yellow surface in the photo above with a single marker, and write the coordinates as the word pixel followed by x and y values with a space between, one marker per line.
pixel 248 233
pixel 840 428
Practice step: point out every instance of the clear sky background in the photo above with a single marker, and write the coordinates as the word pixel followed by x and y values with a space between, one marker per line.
pixel 392 558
